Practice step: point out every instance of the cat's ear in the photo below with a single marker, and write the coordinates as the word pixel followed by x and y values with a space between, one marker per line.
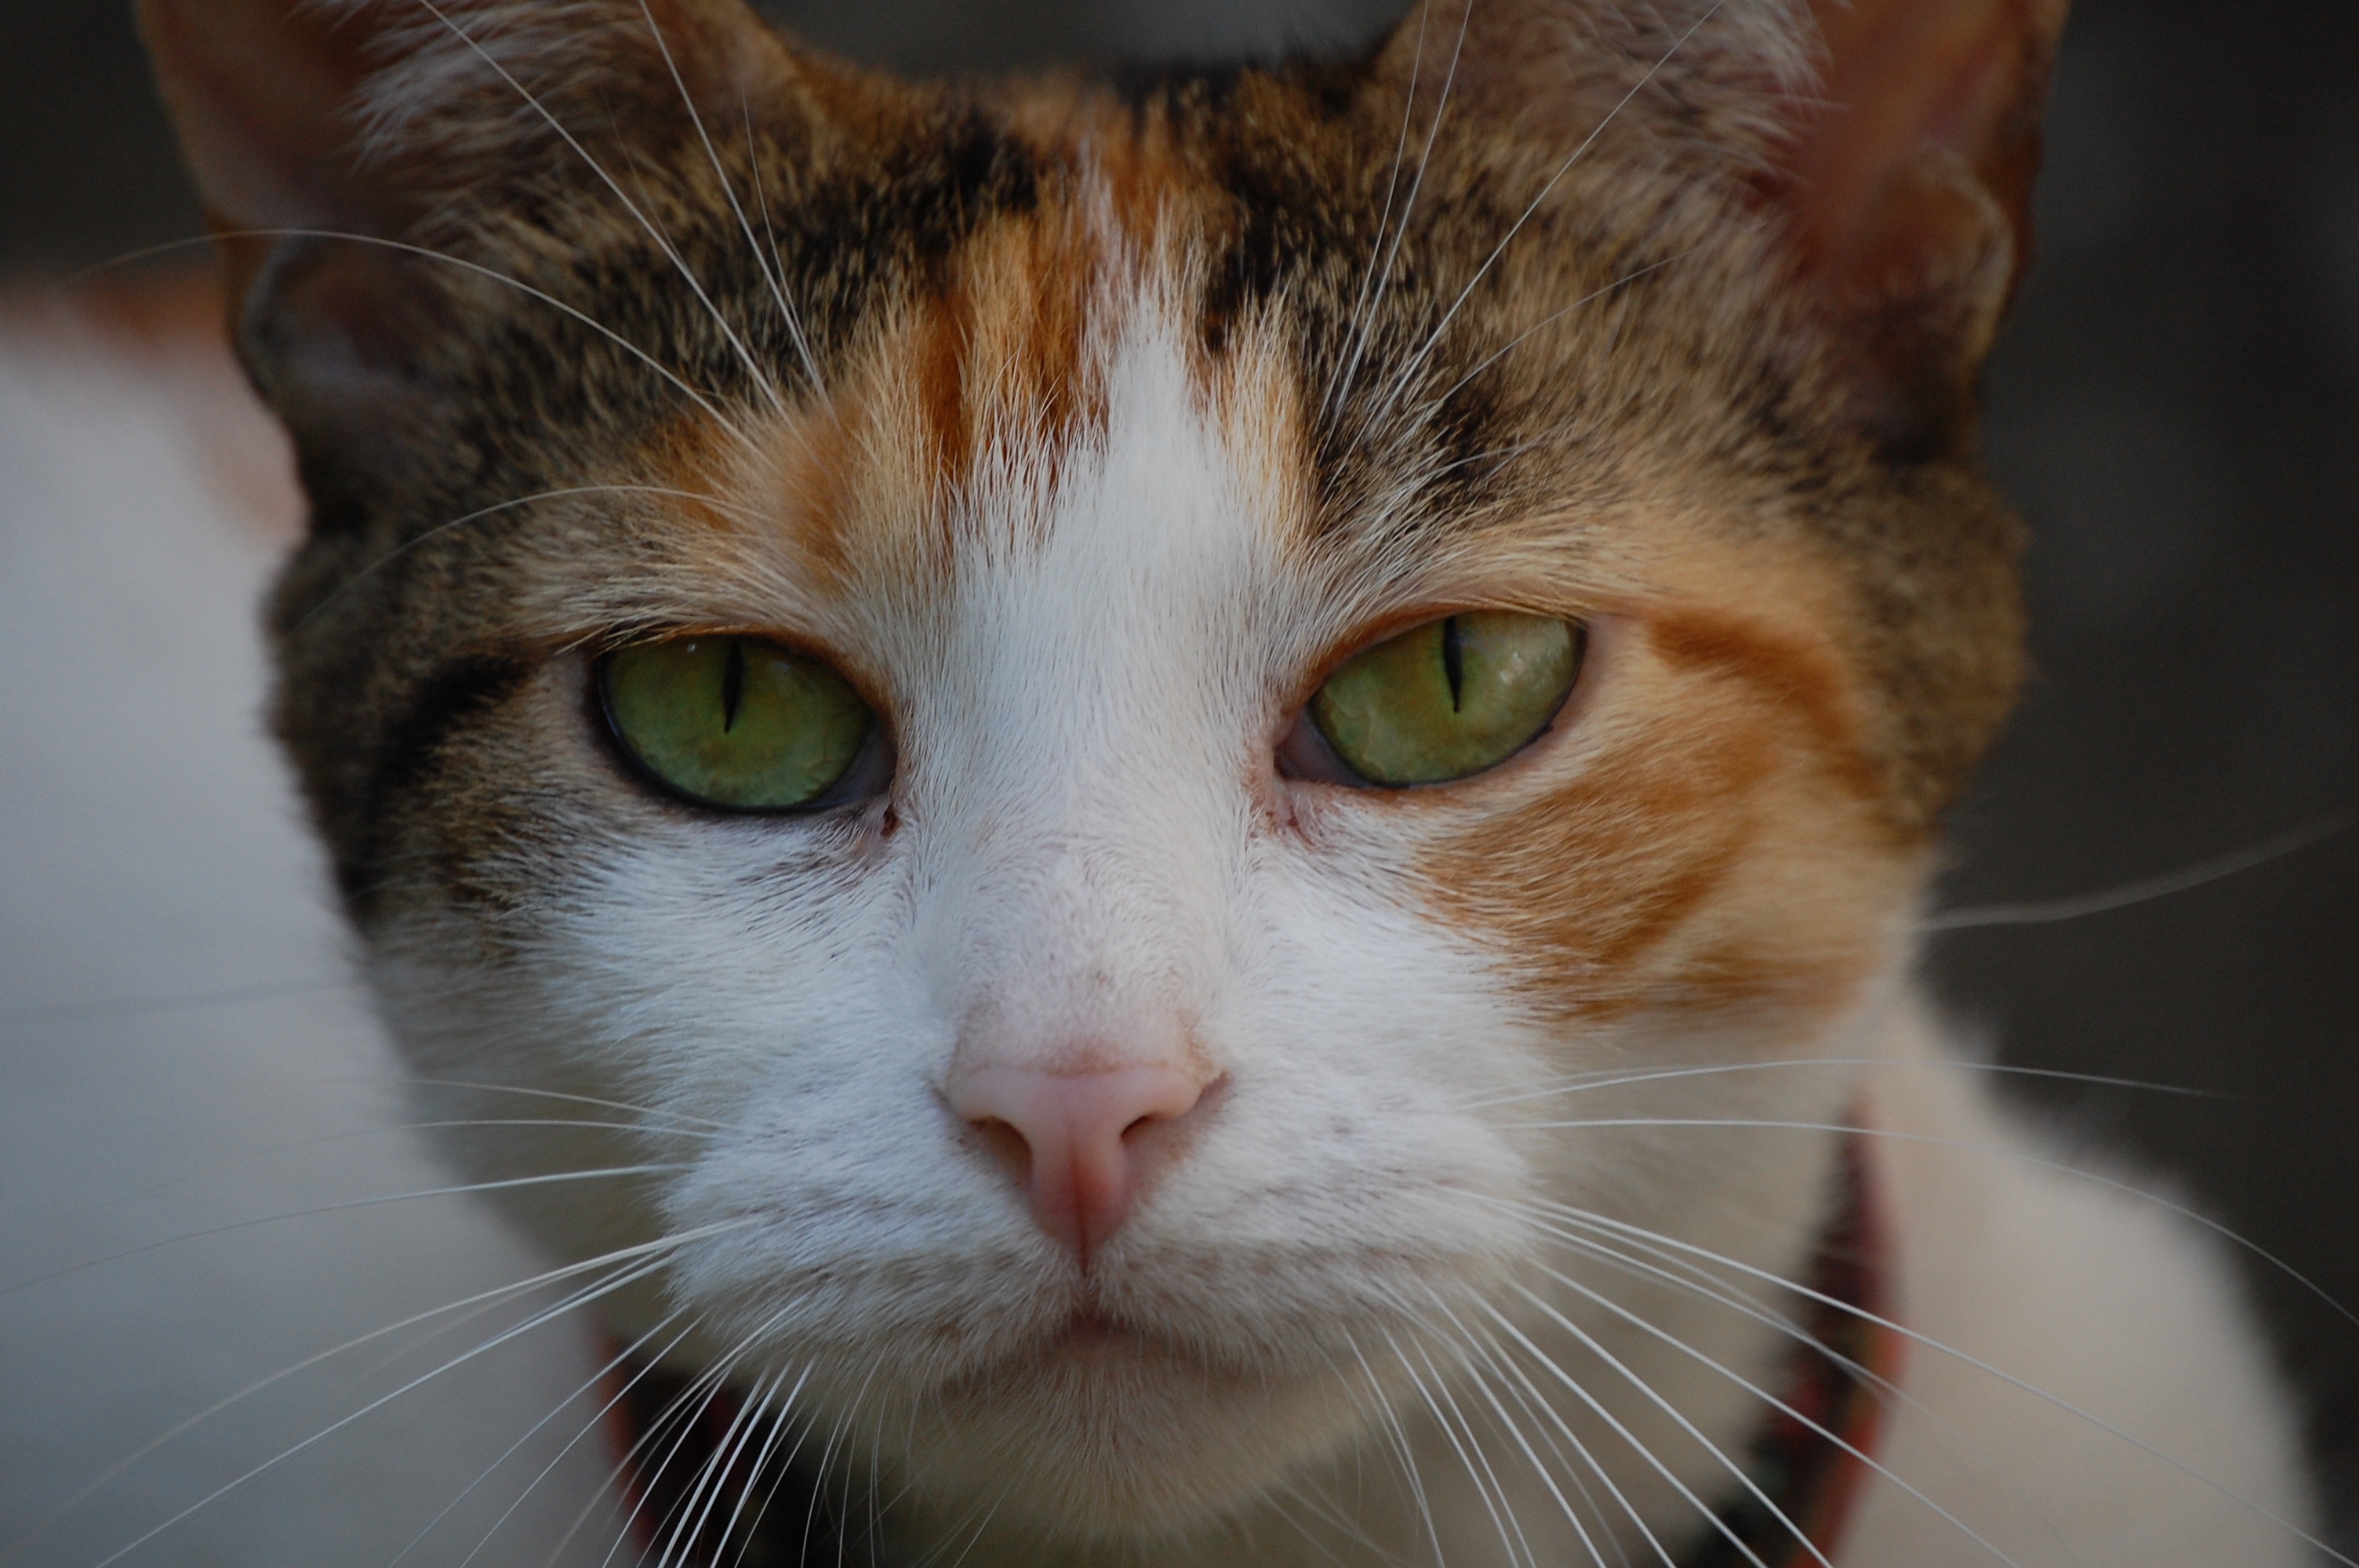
pixel 264 96
pixel 1905 190
pixel 341 146
pixel 1893 141
pixel 261 94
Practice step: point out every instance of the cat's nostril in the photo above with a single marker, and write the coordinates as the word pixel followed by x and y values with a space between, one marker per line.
pixel 1005 1145
pixel 1072 1138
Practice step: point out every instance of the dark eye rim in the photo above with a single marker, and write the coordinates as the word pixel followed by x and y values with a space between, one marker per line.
pixel 870 776
pixel 1304 754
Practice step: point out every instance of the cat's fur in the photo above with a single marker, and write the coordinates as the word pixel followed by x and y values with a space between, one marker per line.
pixel 1085 429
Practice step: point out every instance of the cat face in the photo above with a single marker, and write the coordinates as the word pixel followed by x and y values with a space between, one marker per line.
pixel 1109 1090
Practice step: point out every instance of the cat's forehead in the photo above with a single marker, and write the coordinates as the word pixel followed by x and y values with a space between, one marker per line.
pixel 1191 319
pixel 1042 451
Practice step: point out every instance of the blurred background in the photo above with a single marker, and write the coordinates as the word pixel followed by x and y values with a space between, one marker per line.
pixel 2177 409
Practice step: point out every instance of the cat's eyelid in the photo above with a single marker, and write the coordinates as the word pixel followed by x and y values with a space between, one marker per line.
pixel 686 630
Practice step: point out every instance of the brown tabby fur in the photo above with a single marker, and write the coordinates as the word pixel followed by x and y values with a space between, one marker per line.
pixel 942 243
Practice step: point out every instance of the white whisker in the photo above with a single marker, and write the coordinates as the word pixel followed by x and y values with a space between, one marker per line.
pixel 1801 1338
pixel 571 1304
pixel 1398 1436
pixel 1963 1358
pixel 1477 1463
pixel 717 1375
pixel 614 1364
pixel 779 1425
pixel 769 274
pixel 263 1157
pixel 1384 216
pixel 1407 372
pixel 486 1088
pixel 2128 1189
pixel 2145 890
pixel 1632 1258
pixel 636 1128
pixel 695 1510
pixel 1597 1408
pixel 1365 322
pixel 778 262
pixel 615 1474
pixel 1552 318
pixel 662 243
pixel 494 510
pixel 495 1296
pixel 1533 1399
pixel 1489 1351
pixel 703 402
pixel 1617 1078
pixel 458 1190
pixel 671 1431
pixel 725 1452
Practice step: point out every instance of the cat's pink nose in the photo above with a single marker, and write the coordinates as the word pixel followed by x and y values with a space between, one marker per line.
pixel 1074 1137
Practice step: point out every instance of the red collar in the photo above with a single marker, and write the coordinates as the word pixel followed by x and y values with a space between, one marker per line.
pixel 1814 1452
pixel 1810 1459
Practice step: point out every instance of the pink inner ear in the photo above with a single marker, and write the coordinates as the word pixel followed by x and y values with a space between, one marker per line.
pixel 259 91
pixel 1906 79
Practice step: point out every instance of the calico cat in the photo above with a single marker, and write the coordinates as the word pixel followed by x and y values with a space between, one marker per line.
pixel 1181 821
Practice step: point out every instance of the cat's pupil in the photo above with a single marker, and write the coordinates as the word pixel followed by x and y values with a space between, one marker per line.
pixel 732 686
pixel 1453 663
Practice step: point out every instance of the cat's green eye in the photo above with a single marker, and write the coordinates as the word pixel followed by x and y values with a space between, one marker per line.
pixel 1448 700
pixel 736 722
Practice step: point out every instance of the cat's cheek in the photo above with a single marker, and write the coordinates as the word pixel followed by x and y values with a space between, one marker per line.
pixel 1680 851
pixel 545 1006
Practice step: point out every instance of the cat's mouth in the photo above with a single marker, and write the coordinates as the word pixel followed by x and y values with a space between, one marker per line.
pixel 1089 1332
pixel 1092 1343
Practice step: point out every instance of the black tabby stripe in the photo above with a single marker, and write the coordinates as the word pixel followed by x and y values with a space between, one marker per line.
pixel 409 754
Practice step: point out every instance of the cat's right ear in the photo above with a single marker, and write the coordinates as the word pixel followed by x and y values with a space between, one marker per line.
pixel 329 311
pixel 261 92
pixel 352 155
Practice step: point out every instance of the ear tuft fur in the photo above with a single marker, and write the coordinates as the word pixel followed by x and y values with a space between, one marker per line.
pixel 378 114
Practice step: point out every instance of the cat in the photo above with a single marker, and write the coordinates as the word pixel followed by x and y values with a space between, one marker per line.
pixel 1349 675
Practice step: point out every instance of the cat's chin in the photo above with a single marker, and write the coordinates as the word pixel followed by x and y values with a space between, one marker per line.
pixel 1101 1431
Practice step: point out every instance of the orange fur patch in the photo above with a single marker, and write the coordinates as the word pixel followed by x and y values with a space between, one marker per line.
pixel 1693 860
pixel 1003 362
pixel 1804 680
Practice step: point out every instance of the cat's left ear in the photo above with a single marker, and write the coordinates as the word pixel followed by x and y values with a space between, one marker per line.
pixel 1906 193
